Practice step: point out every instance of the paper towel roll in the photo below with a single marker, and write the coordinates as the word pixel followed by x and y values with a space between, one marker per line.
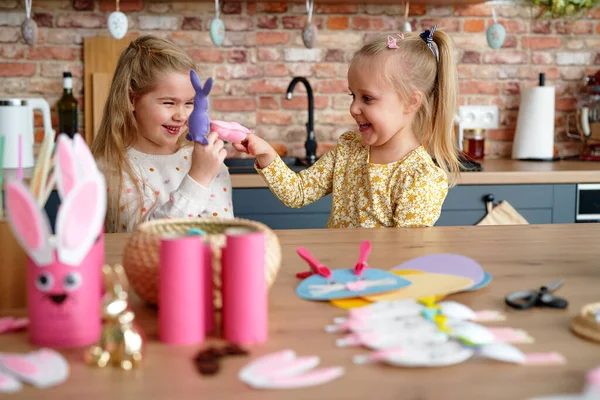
pixel 534 137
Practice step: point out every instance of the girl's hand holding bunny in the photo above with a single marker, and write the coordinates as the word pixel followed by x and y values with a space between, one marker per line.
pixel 258 148
pixel 207 160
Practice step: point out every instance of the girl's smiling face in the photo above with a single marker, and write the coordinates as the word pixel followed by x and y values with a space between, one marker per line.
pixel 376 105
pixel 162 113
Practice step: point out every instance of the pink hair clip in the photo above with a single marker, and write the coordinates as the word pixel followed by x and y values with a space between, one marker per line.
pixel 392 44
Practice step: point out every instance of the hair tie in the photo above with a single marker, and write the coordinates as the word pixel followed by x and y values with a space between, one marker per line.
pixel 427 37
pixel 392 44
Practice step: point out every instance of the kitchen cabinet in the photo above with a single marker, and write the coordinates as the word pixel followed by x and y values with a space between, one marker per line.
pixel 464 205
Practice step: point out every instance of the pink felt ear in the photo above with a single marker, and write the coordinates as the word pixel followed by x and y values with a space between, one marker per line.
pixel 84 156
pixel 80 218
pixel 29 225
pixel 66 166
pixel 9 384
pixel 20 365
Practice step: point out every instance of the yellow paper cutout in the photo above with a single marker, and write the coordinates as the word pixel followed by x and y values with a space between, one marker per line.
pixel 424 285
pixel 354 302
pixel 357 302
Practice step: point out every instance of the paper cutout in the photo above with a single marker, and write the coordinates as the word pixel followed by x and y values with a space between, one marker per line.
pixel 446 263
pixel 487 279
pixel 421 355
pixel 424 285
pixel 489 315
pixel 283 370
pixel 552 358
pixel 511 335
pixel 347 304
pixel 345 284
pixel 43 368
pixel 9 384
pixel 8 324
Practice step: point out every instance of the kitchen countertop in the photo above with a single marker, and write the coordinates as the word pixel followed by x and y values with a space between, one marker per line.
pixel 496 172
pixel 538 254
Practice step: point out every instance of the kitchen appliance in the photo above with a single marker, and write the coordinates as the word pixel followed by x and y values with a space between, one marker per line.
pixel 588 203
pixel 587 120
pixel 16 118
pixel 534 136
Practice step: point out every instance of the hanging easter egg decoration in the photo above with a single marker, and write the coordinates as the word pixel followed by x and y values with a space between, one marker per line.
pixel 309 33
pixel 496 33
pixel 217 27
pixel 117 23
pixel 29 27
pixel 407 27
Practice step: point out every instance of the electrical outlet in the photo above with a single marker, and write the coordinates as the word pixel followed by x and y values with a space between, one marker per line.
pixel 478 117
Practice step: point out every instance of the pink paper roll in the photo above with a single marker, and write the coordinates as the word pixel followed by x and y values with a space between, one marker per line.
pixel 209 307
pixel 64 301
pixel 244 287
pixel 181 291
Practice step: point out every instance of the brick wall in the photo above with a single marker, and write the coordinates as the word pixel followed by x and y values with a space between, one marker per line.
pixel 263 50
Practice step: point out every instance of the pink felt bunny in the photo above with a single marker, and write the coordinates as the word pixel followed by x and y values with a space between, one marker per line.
pixel 64 281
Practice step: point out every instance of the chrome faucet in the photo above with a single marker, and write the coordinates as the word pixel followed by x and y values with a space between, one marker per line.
pixel 311 142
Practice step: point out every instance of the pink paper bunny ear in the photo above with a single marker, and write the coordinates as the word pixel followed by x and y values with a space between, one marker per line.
pixel 80 219
pixel 84 156
pixel 66 166
pixel 28 223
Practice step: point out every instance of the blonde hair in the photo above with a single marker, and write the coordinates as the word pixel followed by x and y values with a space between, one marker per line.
pixel 138 69
pixel 413 67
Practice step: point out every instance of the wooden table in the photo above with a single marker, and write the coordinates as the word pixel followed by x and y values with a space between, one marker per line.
pixel 518 257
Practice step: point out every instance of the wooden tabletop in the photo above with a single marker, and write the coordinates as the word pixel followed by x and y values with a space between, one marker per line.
pixel 497 172
pixel 518 257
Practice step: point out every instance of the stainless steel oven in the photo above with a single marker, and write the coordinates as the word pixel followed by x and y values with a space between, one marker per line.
pixel 588 203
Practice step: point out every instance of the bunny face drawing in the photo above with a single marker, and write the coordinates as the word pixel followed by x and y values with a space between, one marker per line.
pixel 199 121
pixel 64 281
pixel 326 284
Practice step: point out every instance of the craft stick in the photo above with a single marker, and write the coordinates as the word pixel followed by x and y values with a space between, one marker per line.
pixel 47 190
pixel 36 178
pixel 47 162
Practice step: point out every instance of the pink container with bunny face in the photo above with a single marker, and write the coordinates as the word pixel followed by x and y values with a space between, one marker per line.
pixel 64 271
pixel 64 301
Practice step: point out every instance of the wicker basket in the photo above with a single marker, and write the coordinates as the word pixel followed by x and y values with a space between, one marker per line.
pixel 585 324
pixel 142 252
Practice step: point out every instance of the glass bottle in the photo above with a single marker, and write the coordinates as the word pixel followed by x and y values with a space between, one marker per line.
pixel 474 143
pixel 67 108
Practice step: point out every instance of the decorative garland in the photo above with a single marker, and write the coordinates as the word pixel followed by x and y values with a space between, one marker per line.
pixel 568 9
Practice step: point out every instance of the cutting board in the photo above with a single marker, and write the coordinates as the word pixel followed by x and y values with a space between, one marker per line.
pixel 100 56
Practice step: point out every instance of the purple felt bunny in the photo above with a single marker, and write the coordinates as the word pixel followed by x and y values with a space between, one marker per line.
pixel 199 121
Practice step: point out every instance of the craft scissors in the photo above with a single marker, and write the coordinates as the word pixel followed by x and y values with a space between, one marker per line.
pixel 543 297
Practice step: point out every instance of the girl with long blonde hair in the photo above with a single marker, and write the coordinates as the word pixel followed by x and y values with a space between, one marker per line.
pixel 151 170
pixel 404 91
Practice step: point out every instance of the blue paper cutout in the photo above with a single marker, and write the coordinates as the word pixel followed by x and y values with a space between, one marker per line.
pixel 344 276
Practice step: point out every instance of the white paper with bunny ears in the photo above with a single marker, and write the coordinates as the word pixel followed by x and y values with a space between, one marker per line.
pixel 80 219
pixel 74 162
pixel 43 368
pixel 29 224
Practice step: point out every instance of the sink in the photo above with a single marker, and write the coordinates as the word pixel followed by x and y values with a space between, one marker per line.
pixel 246 165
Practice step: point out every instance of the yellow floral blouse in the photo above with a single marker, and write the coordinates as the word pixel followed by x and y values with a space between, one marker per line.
pixel 406 193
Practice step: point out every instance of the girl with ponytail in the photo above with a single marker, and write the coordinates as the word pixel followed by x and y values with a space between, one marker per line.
pixel 404 90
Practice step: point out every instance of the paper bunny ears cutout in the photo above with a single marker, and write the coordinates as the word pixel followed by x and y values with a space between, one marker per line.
pixel 82 190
